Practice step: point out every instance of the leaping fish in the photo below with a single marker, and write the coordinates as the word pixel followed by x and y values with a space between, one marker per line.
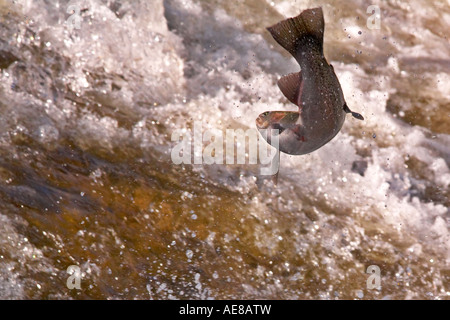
pixel 315 89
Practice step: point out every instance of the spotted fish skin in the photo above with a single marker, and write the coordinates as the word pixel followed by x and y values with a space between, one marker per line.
pixel 315 90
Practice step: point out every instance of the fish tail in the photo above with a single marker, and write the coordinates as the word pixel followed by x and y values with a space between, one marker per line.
pixel 301 33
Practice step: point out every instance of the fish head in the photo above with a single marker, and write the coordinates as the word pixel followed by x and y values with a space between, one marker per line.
pixel 275 123
pixel 284 131
pixel 264 120
pixel 276 120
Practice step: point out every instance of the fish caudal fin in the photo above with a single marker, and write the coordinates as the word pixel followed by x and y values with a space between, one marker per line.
pixel 290 85
pixel 354 114
pixel 300 33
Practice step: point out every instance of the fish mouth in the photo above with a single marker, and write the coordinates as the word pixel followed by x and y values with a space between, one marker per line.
pixel 262 123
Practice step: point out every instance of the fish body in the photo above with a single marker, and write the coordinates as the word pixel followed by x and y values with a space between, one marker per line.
pixel 315 89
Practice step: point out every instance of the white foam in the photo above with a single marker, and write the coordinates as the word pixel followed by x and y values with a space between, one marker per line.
pixel 230 85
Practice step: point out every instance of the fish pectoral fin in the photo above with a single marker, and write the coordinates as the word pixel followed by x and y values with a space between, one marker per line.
pixel 299 132
pixel 290 86
pixel 274 179
pixel 275 176
pixel 354 114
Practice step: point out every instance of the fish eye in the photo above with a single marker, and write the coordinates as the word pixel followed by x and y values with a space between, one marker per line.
pixel 265 114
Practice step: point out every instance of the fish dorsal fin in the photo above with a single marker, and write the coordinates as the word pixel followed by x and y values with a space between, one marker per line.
pixel 300 33
pixel 290 86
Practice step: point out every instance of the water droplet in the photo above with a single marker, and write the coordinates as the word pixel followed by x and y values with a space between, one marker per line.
pixel 189 254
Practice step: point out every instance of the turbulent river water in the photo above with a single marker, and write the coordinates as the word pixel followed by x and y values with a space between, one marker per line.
pixel 91 92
